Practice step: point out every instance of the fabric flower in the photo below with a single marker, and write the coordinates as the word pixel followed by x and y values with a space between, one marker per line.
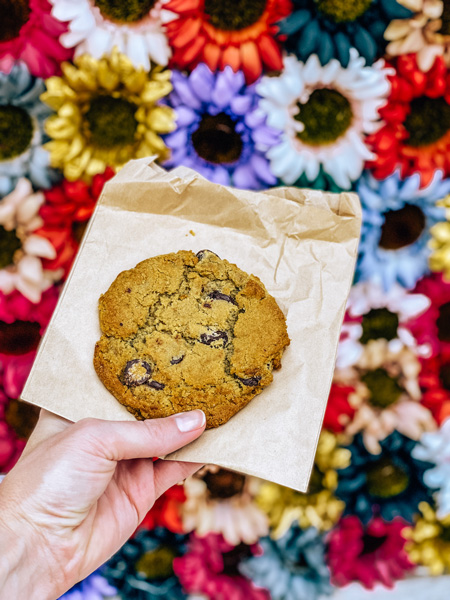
pixel 390 484
pixel 329 28
pixel 220 132
pixel 371 554
pixel 291 568
pixel 440 242
pixel 94 587
pixel 210 568
pixel 134 28
pixel 22 117
pixel 319 507
pixel 415 136
pixel 166 512
pixel 325 114
pixel 107 114
pixel 434 380
pixel 340 410
pixel 397 217
pixel 221 33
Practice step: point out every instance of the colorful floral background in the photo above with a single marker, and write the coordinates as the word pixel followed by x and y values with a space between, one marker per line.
pixel 326 94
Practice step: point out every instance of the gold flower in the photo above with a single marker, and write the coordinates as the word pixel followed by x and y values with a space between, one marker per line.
pixel 440 243
pixel 106 114
pixel 429 541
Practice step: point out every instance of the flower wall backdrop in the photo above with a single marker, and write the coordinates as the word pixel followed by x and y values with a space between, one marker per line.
pixel 324 94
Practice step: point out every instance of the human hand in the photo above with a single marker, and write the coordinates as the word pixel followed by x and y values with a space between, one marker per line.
pixel 77 494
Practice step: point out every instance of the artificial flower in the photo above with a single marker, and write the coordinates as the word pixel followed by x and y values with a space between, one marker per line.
pixel 16 307
pixel 323 182
pixel 291 568
pixel 390 484
pixel 397 217
pixel 210 568
pixel 107 113
pixel 329 28
pixel 440 242
pixel 319 507
pixel 166 511
pixel 339 411
pixel 371 554
pixel 94 587
pixel 220 33
pixel 434 379
pixel 220 132
pixel 325 114
pixel 17 367
pixel 415 136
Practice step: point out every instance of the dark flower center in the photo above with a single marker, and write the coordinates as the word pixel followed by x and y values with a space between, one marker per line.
pixel 326 116
pixel 156 564
pixel 445 533
pixel 15 13
pixel 21 417
pixel 111 122
pixel 233 558
pixel 343 10
pixel 315 483
pixel 216 139
pixel 9 244
pixel 379 323
pixel 224 484
pixel 233 15
pixel 444 376
pixel 19 337
pixel 125 11
pixel 16 131
pixel 445 17
pixel 385 479
pixel 428 121
pixel 372 543
pixel 401 227
pixel 384 390
pixel 443 322
pixel 78 229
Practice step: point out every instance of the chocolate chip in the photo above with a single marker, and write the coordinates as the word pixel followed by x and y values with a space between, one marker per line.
pixel 136 372
pixel 214 336
pixel 156 385
pixel 252 381
pixel 216 295
pixel 205 254
pixel 206 305
pixel 128 290
pixel 121 324
pixel 175 360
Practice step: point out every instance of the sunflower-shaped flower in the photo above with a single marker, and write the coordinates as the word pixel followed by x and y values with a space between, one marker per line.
pixel 220 132
pixel 221 33
pixel 434 379
pixel 429 541
pixel 340 410
pixel 94 587
pixel 166 511
pixel 397 217
pixel 134 28
pixel 319 507
pixel 329 28
pixel 390 484
pixel 371 554
pixel 325 114
pixel 440 242
pixel 107 114
pixel 415 136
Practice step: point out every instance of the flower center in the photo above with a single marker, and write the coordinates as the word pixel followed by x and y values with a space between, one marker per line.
pixel 401 227
pixel 111 122
pixel 428 121
pixel 343 10
pixel 156 564
pixel 15 13
pixel 233 558
pixel 9 244
pixel 445 533
pixel 315 483
pixel 326 116
pixel 386 480
pixel 234 15
pixel 384 390
pixel 443 322
pixel 19 337
pixel 224 484
pixel 216 139
pixel 21 417
pixel 372 543
pixel 125 11
pixel 444 376
pixel 445 17
pixel 16 131
pixel 379 323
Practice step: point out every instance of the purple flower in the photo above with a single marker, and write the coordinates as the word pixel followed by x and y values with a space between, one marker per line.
pixel 94 587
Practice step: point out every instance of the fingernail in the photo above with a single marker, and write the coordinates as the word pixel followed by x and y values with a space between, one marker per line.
pixel 189 421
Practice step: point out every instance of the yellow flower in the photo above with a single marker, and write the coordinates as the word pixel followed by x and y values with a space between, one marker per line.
pixel 106 114
pixel 429 541
pixel 319 507
pixel 440 242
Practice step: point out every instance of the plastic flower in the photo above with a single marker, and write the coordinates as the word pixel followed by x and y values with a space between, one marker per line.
pixel 440 242
pixel 390 484
pixel 434 379
pixel 291 568
pixel 329 28
pixel 221 33
pixel 319 507
pixel 22 117
pixel 429 543
pixel 94 587
pixel 416 134
pixel 107 114
pixel 372 553
pixel 220 132
pixel 339 411
pixel 325 114
pixel 210 568
pixel 166 512
pixel 135 28
pixel 397 217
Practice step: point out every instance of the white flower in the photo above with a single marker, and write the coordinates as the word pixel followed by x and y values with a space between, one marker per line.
pixel 358 93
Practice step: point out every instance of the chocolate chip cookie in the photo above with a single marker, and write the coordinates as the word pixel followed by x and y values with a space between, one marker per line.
pixel 185 331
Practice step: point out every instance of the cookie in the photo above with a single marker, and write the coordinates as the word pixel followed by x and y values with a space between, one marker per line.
pixel 185 331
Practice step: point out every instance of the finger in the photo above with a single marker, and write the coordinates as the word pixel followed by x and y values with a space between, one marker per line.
pixel 47 426
pixel 169 472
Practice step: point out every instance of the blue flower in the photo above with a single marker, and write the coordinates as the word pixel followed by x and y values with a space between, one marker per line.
pixel 94 587
pixel 292 567
pixel 330 28
pixel 397 217
pixel 220 131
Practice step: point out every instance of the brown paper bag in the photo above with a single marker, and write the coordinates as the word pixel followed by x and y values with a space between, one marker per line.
pixel 301 243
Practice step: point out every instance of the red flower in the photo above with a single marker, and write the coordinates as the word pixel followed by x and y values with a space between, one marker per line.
pixel 416 133
pixel 220 33
pixel 339 412
pixel 434 379
pixel 166 511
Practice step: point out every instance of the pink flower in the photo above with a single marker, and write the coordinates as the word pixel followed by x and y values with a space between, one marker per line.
pixel 15 371
pixel 15 306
